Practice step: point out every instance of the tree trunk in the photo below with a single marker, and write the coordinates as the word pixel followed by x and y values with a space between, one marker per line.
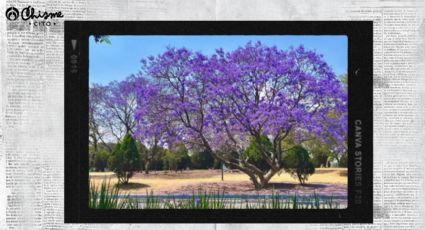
pixel 259 178
pixel 127 178
pixel 300 179
pixel 147 163
pixel 95 144
pixel 254 180
pixel 261 181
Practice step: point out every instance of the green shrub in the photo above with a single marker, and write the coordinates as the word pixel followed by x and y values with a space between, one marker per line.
pixel 101 160
pixel 125 159
pixel 202 159
pixel 107 197
pixel 254 151
pixel 176 158
pixel 298 163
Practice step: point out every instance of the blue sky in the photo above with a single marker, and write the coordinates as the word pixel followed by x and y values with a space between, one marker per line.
pixel 122 58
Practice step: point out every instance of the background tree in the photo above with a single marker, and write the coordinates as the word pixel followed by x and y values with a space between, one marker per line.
pixel 176 158
pixel 320 151
pixel 111 110
pixel 156 161
pixel 151 126
pixel 119 103
pixel 111 115
pixel 183 156
pixel 201 159
pixel 97 131
pixel 98 159
pixel 101 160
pixel 124 160
pixel 142 152
pixel 150 154
pixel 298 164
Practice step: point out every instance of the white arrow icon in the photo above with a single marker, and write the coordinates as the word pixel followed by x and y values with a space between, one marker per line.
pixel 74 44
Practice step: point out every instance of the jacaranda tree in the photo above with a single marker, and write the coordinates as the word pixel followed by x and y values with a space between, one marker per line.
pixel 230 99
pixel 152 122
pixel 111 111
pixel 119 104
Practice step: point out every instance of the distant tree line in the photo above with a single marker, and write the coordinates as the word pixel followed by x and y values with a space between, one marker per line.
pixel 175 159
pixel 127 157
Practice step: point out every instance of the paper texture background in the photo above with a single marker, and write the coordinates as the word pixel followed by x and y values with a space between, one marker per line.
pixel 32 99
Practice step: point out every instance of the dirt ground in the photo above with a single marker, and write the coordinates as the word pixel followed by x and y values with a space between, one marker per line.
pixel 324 181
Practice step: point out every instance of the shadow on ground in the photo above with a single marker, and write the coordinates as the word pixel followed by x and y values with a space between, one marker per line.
pixel 130 186
pixel 295 186
pixel 343 173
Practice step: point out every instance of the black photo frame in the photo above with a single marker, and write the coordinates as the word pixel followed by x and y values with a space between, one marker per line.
pixel 360 107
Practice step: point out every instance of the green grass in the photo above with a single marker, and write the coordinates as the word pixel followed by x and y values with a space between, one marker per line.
pixel 106 197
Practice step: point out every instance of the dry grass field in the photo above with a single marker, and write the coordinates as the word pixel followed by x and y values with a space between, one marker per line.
pixel 324 180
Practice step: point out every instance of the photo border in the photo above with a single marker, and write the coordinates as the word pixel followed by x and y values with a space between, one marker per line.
pixel 360 121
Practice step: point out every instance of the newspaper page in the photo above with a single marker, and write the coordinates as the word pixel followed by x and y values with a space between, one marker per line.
pixel 32 92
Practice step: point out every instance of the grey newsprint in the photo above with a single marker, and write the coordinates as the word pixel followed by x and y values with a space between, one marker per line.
pixel 32 102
